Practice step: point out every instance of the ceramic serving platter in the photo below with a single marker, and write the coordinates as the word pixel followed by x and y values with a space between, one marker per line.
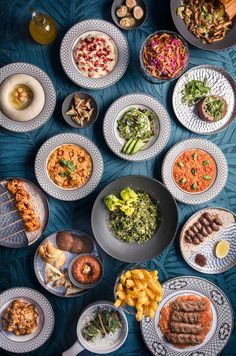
pixel 50 97
pixel 220 83
pixel 41 167
pixel 39 264
pixel 215 188
pixel 226 232
pixel 162 126
pixel 12 231
pixel 167 223
pixel 45 322
pixel 222 324
pixel 70 40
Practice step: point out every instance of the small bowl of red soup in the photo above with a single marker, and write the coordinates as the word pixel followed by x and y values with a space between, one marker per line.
pixel 85 271
pixel 194 171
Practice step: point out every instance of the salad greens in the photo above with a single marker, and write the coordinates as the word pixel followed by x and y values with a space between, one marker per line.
pixel 136 126
pixel 194 91
pixel 215 107
pixel 104 322
pixel 134 219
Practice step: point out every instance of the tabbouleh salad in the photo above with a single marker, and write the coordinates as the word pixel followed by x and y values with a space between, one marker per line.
pixel 134 217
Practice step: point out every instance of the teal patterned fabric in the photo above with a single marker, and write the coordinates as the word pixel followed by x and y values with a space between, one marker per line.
pixel 17 154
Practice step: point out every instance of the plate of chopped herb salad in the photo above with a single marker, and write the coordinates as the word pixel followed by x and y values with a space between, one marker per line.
pixel 136 127
pixel 195 171
pixel 204 99
pixel 134 218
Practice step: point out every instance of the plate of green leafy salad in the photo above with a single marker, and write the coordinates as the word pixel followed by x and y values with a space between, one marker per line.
pixel 134 218
pixel 204 99
pixel 136 127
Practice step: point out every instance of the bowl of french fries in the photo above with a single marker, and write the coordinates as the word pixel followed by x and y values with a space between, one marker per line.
pixel 138 291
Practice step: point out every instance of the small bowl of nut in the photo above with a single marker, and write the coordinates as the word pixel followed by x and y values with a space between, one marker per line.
pixel 80 110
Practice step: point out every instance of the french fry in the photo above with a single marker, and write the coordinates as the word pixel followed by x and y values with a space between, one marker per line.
pixel 117 303
pixel 141 289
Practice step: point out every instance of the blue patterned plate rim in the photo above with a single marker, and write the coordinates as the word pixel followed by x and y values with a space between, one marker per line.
pixel 48 321
pixel 214 189
pixel 41 161
pixel 127 101
pixel 160 347
pixel 68 63
pixel 50 97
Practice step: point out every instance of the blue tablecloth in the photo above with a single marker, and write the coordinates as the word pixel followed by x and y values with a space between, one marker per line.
pixel 17 154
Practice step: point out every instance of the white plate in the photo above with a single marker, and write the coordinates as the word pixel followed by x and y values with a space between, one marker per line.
pixel 220 83
pixel 50 97
pixel 26 343
pixel 12 231
pixel 41 167
pixel 69 41
pixel 116 111
pixel 222 324
pixel 215 188
pixel 207 248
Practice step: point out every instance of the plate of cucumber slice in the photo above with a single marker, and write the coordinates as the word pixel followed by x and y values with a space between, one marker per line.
pixel 136 127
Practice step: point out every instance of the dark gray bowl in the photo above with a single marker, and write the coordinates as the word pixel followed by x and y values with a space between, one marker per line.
pixel 67 104
pixel 228 41
pixel 163 236
pixel 87 285
pixel 145 72
pixel 118 3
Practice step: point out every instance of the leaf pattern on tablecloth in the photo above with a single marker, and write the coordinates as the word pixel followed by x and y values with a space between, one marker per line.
pixel 18 151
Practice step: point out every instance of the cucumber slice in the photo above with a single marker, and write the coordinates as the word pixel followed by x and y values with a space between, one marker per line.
pixel 126 145
pixel 131 146
pixel 138 146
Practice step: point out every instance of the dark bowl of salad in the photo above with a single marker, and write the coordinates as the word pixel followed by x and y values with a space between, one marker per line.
pixel 164 56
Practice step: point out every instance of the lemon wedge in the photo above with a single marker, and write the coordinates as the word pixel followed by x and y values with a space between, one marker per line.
pixel 222 249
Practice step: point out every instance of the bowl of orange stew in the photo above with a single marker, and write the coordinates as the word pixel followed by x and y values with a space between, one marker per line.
pixel 194 170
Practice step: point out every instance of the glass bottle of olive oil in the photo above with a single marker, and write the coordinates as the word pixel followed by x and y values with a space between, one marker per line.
pixel 42 28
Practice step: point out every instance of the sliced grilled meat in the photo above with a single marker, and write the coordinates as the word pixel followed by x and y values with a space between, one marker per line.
pixel 189 318
pixel 182 328
pixel 189 339
pixel 189 306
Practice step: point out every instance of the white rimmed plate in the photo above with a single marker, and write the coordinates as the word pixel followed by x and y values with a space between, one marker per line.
pixel 41 167
pixel 50 97
pixel 215 188
pixel 45 321
pixel 220 83
pixel 12 231
pixel 117 110
pixel 222 324
pixel 39 264
pixel 207 248
pixel 70 40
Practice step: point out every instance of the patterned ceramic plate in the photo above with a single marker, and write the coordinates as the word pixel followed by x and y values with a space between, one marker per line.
pixel 117 110
pixel 69 42
pixel 220 83
pixel 215 188
pixel 50 97
pixel 167 224
pixel 12 231
pixel 39 264
pixel 222 324
pixel 226 232
pixel 53 189
pixel 45 322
